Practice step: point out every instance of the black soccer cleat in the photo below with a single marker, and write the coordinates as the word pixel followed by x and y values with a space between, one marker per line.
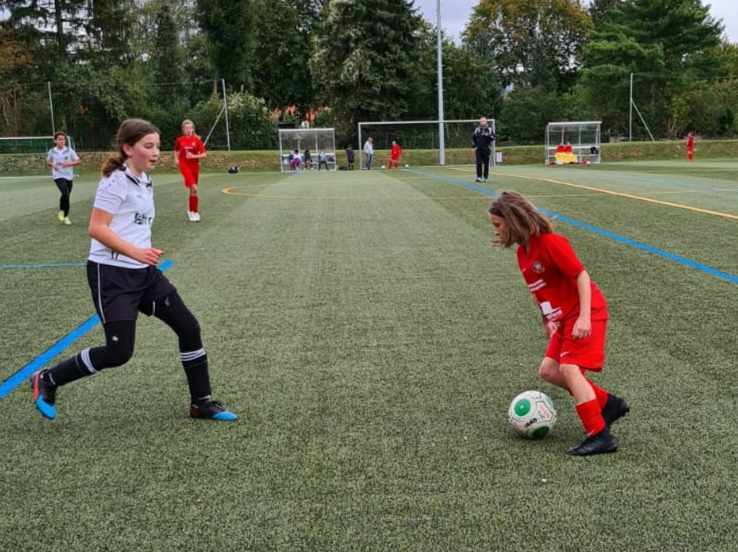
pixel 601 443
pixel 615 409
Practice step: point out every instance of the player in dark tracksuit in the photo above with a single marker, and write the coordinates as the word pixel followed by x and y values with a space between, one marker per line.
pixel 482 142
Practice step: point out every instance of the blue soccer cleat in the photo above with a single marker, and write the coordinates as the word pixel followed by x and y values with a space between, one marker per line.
pixel 44 395
pixel 212 410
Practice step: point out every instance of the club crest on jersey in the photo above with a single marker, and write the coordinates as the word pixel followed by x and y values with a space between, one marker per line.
pixel 538 267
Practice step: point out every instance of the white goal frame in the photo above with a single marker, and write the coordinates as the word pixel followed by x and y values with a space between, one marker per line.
pixel 314 139
pixel 490 121
pixel 584 136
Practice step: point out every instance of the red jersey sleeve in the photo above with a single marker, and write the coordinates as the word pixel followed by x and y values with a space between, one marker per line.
pixel 562 254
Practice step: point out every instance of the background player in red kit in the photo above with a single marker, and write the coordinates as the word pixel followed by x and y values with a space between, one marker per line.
pixel 188 150
pixel 574 316
pixel 690 147
pixel 395 153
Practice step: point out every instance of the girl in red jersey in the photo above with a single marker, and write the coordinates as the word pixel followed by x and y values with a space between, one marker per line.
pixel 395 153
pixel 188 150
pixel 574 316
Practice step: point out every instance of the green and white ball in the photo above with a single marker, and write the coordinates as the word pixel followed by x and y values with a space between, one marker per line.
pixel 532 414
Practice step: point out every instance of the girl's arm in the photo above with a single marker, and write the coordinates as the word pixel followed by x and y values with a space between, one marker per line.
pixel 100 230
pixel 583 325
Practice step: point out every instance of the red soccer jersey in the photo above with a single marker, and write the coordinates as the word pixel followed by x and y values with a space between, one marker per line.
pixel 395 152
pixel 194 145
pixel 550 268
pixel 690 141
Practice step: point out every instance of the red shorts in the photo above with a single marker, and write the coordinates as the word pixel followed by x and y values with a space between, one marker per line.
pixel 587 353
pixel 190 175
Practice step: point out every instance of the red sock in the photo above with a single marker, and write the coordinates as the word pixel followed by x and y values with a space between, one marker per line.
pixel 591 417
pixel 196 204
pixel 192 203
pixel 600 393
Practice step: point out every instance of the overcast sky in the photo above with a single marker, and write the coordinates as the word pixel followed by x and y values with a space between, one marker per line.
pixel 455 14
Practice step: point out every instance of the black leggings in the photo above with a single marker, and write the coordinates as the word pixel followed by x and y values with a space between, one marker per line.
pixel 120 336
pixel 65 187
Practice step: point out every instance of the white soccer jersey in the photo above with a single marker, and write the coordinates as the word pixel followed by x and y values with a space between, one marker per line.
pixel 58 156
pixel 131 202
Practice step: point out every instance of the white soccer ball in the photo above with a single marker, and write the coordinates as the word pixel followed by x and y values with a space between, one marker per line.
pixel 407 166
pixel 532 414
pixel 384 167
pixel 589 163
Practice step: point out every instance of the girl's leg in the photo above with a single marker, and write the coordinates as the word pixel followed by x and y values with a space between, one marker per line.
pixel 65 188
pixel 194 198
pixel 118 349
pixel 172 311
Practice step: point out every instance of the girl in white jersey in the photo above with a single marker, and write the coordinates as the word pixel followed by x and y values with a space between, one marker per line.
pixel 124 279
pixel 62 160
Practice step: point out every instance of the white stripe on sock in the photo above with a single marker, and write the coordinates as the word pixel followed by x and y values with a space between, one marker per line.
pixel 85 356
pixel 191 355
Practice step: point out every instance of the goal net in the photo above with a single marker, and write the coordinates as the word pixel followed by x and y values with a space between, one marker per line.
pixel 29 144
pixel 34 145
pixel 573 142
pixel 297 140
pixel 421 141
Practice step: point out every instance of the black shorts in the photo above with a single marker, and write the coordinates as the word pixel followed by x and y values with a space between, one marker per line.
pixel 120 293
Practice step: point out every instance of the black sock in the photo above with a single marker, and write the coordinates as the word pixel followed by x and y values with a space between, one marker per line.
pixel 198 379
pixel 68 371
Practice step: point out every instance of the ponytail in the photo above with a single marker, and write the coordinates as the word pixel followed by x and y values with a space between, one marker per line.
pixel 112 164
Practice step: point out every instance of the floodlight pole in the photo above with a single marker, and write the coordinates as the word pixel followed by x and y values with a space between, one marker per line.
pixel 630 105
pixel 225 108
pixel 441 137
pixel 51 109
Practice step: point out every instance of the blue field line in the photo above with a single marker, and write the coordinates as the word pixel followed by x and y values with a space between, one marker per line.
pixel 42 265
pixel 621 239
pixel 22 375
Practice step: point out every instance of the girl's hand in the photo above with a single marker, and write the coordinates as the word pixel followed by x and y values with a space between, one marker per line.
pixel 149 256
pixel 582 328
pixel 549 328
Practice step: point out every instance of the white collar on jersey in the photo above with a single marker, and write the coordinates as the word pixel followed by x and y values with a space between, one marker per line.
pixel 145 181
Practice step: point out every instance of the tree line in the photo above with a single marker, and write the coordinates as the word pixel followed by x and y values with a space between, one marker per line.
pixel 524 62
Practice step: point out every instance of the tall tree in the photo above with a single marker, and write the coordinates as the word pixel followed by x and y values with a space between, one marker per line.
pixel 364 57
pixel 15 64
pixel 282 75
pixel 167 60
pixel 664 44
pixel 531 42
pixel 471 86
pixel 229 27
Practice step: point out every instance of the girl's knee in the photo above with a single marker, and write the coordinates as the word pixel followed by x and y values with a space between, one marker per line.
pixel 548 370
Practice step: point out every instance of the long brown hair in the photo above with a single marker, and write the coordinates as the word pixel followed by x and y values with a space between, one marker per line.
pixel 522 218
pixel 129 132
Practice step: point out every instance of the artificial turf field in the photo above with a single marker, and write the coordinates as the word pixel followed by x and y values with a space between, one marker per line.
pixel 371 337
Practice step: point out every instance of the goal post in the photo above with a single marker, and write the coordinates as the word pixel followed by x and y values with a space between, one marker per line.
pixel 315 139
pixel 420 140
pixel 583 136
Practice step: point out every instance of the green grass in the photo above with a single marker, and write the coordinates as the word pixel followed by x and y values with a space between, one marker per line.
pixel 371 338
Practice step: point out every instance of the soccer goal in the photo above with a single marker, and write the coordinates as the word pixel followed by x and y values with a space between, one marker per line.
pixel 582 136
pixel 314 139
pixel 420 141
pixel 29 144
pixel 10 145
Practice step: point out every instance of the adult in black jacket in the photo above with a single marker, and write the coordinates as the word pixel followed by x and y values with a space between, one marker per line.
pixel 482 142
